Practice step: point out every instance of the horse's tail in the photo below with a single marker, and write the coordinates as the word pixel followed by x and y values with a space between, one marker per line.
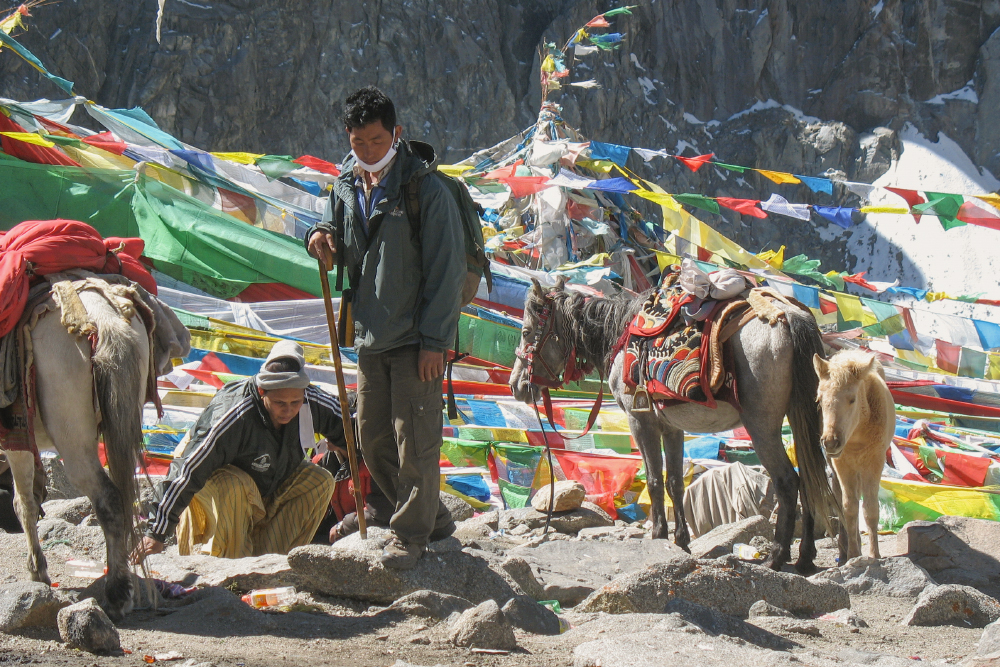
pixel 806 419
pixel 119 379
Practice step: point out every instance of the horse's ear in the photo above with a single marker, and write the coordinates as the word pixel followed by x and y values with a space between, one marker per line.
pixel 871 365
pixel 536 288
pixel 822 366
pixel 560 283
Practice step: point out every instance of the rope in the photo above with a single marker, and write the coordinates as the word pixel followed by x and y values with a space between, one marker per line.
pixel 552 471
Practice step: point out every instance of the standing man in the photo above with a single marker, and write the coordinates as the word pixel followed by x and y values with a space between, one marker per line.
pixel 406 280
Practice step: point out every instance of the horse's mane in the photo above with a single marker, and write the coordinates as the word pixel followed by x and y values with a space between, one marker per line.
pixel 849 366
pixel 594 324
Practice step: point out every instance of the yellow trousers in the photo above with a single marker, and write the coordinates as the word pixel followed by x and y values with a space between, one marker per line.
pixel 230 519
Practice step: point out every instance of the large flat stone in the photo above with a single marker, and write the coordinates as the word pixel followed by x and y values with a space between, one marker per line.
pixel 268 571
pixel 727 585
pixel 720 540
pixel 953 605
pixel 953 549
pixel 588 515
pixel 892 577
pixel 27 604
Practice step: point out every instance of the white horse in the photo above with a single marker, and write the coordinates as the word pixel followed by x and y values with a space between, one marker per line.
pixel 67 420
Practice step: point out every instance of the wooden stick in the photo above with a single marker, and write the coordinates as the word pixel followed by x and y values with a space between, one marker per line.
pixel 345 407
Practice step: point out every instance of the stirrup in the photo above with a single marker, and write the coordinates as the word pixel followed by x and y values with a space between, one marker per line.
pixel 641 401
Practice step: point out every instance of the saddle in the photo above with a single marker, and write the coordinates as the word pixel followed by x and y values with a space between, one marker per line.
pixel 676 346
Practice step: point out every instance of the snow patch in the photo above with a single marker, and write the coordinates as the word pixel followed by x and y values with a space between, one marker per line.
pixel 773 104
pixel 763 15
pixel 647 88
pixel 693 120
pixel 877 9
pixel 635 61
pixel 965 93
pixel 681 145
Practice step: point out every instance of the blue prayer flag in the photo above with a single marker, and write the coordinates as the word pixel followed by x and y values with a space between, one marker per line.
pixel 817 184
pixel 197 158
pixel 615 153
pixel 917 294
pixel 836 214
pixel 620 185
pixel 705 447
pixel 806 294
pixel 989 334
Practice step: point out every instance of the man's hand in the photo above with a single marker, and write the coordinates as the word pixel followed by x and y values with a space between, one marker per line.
pixel 430 365
pixel 147 547
pixel 321 246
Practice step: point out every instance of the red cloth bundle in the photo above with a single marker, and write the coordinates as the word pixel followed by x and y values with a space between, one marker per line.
pixel 52 246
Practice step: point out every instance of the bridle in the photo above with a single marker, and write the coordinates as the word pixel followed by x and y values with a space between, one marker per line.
pixel 546 376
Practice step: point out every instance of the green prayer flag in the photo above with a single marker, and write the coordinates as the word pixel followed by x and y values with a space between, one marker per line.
pixel 945 206
pixel 29 57
pixel 65 141
pixel 515 496
pixel 276 166
pixel 620 10
pixel 699 201
pixel 972 363
pixel 730 167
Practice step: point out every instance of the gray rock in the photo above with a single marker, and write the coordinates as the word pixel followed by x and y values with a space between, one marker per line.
pixel 727 585
pixel 847 617
pixel 55 529
pixel 570 570
pixel 72 510
pixel 430 604
pixel 460 510
pixel 962 550
pixel 788 626
pixel 359 575
pixel 761 608
pixel 57 484
pixel 215 612
pixel 892 577
pixel 953 605
pixel 84 625
pixel 588 515
pixel 525 613
pixel 569 494
pixel 268 571
pixel 484 626
pixel 28 603
pixel 720 540
pixel 990 640
pixel 715 623
pixel 989 660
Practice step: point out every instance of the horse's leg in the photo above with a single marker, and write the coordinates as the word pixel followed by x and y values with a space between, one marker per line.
pixel 771 452
pixel 869 498
pixel 647 437
pixel 838 493
pixel 673 449
pixel 22 468
pixel 851 498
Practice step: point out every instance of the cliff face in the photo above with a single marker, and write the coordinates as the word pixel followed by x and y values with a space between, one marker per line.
pixel 793 85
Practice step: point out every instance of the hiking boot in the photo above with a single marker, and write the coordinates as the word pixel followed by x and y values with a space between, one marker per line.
pixel 349 525
pixel 400 555
pixel 444 531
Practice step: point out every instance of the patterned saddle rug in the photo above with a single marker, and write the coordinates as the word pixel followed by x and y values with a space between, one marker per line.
pixel 676 359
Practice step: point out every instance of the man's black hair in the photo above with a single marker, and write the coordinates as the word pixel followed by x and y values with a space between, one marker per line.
pixel 283 365
pixel 368 105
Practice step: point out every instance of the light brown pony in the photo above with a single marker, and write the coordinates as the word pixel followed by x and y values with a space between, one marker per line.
pixel 859 419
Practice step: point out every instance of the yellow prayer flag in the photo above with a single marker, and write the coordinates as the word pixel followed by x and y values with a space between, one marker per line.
pixel 868 318
pixel 885 209
pixel 454 170
pixel 548 65
pixel 663 260
pixel 661 198
pixel 778 177
pixel 239 158
pixel 993 369
pixel 775 258
pixel 913 356
pixel 849 307
pixel 930 297
pixel 993 200
pixel 603 166
pixel 596 260
pixel 13 21
pixel 29 138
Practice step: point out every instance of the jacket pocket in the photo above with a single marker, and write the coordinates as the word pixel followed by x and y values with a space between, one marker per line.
pixel 426 421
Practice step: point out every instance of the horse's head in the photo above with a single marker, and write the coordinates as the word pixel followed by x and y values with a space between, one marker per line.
pixel 545 350
pixel 840 396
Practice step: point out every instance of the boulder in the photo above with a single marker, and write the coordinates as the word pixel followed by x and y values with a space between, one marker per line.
pixel 788 626
pixel 55 529
pixel 27 604
pixel 954 549
pixel 614 533
pixel 525 613
pixel 358 574
pixel 267 571
pixel 952 604
pixel 847 617
pixel 588 515
pixel 430 604
pixel 483 627
pixel 720 540
pixel 889 577
pixel 761 609
pixel 569 494
pixel 570 570
pixel 728 585
pixel 990 641
pixel 57 484
pixel 72 510
pixel 460 510
pixel 988 660
pixel 715 623
pixel 85 626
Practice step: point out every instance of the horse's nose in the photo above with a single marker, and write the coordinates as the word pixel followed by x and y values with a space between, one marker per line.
pixel 831 443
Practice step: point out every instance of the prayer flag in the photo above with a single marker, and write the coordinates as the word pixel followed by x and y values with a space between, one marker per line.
pixel 917 294
pixel 731 167
pixel 858 279
pixel 898 210
pixel 619 10
pixel 836 214
pixel 106 141
pixel 648 155
pixel 989 334
pixel 276 166
pixel 778 204
pixel 817 184
pixel 947 356
pixel 239 158
pixel 613 152
pixel 319 165
pixel 584 50
pixel 589 83
pixel 694 163
pixel 598 22
pixel 619 185
pixel 29 57
pixel 849 307
pixel 972 363
pixel 522 186
pixel 807 295
pixel 29 138
pixel 912 198
pixel 778 177
pixel 698 201
pixel 945 205
pixel 994 369
pixel 993 199
pixel 660 198
pixel 975 215
pixel 744 206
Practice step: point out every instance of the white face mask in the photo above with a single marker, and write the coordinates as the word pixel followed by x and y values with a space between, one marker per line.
pixel 380 165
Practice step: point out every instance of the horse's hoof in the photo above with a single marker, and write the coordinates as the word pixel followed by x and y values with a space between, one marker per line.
pixel 806 569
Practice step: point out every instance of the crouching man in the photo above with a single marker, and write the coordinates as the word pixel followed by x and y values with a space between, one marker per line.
pixel 243 486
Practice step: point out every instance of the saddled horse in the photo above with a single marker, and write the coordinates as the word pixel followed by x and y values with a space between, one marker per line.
pixel 69 381
pixel 775 377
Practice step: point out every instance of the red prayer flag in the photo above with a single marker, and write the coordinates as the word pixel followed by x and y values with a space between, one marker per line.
pixel 827 306
pixel 947 356
pixel 912 198
pixel 211 362
pixel 858 279
pixel 318 165
pixel 604 477
pixel 522 186
pixel 598 22
pixel 106 141
pixel 694 163
pixel 963 470
pixel 744 206
pixel 504 172
pixel 29 152
pixel 975 215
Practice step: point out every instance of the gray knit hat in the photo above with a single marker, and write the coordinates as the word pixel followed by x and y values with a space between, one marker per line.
pixel 284 349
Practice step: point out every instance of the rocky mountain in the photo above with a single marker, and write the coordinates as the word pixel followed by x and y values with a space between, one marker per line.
pixel 793 85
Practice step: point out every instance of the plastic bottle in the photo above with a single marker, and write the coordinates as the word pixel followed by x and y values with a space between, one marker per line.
pixel 87 569
pixel 746 552
pixel 270 597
